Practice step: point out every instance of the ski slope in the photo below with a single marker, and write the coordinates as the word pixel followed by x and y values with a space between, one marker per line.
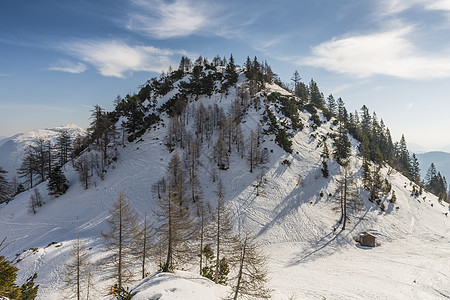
pixel 294 224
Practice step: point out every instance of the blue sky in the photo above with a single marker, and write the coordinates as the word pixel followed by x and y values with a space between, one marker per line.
pixel 59 58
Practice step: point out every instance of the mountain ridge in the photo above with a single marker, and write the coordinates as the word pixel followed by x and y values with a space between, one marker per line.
pixel 292 213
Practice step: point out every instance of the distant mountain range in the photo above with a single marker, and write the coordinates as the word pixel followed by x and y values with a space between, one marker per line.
pixel 440 159
pixel 12 148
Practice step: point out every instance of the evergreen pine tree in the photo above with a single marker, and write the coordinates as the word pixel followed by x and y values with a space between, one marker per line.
pixel 231 74
pixel 415 169
pixel 315 94
pixel 64 146
pixel 57 183
pixel 325 156
pixel 7 278
pixel 331 104
pixel 28 291
pixel 5 187
pixel 342 145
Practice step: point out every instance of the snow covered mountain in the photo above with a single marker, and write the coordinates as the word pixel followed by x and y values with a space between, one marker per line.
pixel 285 201
pixel 12 148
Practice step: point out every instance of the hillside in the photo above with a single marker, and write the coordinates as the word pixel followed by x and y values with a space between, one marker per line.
pixel 12 148
pixel 291 213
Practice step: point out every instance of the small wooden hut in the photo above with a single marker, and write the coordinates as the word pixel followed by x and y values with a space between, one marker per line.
pixel 367 239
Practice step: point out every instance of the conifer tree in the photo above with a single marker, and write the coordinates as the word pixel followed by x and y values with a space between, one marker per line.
pixel 77 272
pixel 35 201
pixel 27 169
pixel 28 290
pixel 296 79
pixel 341 110
pixel 430 175
pixel 6 190
pixel 376 185
pixel 347 194
pixel 367 174
pixel 203 234
pixel 145 239
pixel 342 145
pixel 102 131
pixel 415 169
pixel 39 152
pixel 325 155
pixel 223 229
pixel 221 153
pixel 57 184
pixel 403 157
pixel 64 146
pixel 231 74
pixel 120 241
pixel 315 94
pixel 253 150
pixel 174 216
pixel 331 104
pixel 83 166
pixel 252 275
pixel 7 278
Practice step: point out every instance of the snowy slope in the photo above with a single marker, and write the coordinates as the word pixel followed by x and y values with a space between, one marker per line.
pixel 12 148
pixel 3 139
pixel 308 260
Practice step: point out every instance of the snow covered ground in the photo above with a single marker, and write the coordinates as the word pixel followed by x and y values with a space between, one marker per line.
pixel 308 259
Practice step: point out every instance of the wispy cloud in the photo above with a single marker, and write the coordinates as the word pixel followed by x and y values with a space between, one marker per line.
pixel 118 59
pixel 381 53
pixel 160 19
pixel 443 5
pixel 68 66
pixel 392 7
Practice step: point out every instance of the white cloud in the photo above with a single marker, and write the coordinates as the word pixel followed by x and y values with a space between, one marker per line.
pixel 179 18
pixel 68 66
pixel 383 53
pixel 443 5
pixel 392 7
pixel 117 59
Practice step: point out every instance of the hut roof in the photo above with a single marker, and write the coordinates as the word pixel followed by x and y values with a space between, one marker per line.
pixel 365 233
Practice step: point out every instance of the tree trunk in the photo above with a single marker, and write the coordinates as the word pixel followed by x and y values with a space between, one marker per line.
pixel 201 240
pixel 216 279
pixel 144 246
pixel 78 269
pixel 241 266
pixel 169 248
pixel 119 269
pixel 345 202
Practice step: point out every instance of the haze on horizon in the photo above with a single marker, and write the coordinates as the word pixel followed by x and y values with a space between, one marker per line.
pixel 58 60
